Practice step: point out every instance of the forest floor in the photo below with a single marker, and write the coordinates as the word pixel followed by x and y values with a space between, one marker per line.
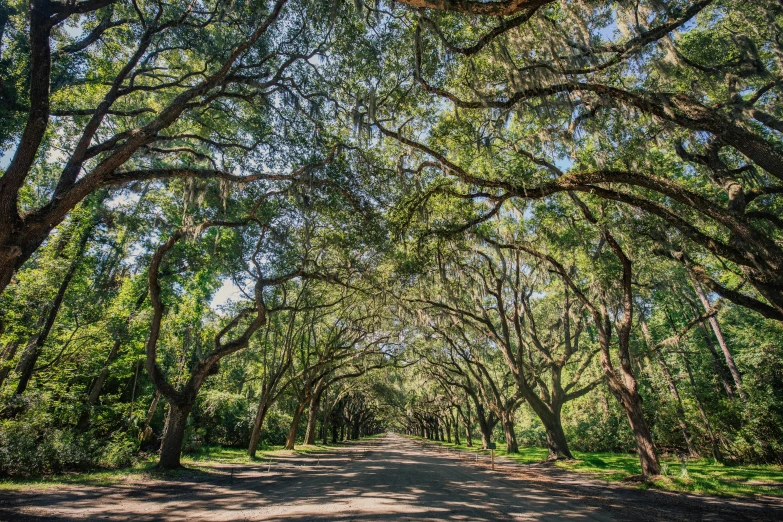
pixel 386 478
pixel 696 476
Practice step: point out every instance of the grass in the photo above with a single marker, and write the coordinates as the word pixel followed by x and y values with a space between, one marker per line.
pixel 703 476
pixel 106 477
pixel 196 463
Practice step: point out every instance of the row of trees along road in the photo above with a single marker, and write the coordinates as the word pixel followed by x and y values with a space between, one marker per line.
pixel 556 222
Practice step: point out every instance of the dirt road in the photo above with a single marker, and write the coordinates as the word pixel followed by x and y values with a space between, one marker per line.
pixel 391 478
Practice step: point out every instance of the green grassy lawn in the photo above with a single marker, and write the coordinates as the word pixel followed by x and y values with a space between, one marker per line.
pixel 195 463
pixel 701 475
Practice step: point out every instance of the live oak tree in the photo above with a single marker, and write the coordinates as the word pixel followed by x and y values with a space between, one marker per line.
pixel 491 291
pixel 601 180
pixel 145 91
pixel 547 87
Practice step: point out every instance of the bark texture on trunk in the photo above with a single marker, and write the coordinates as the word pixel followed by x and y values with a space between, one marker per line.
pixel 312 419
pixel 255 435
pixel 174 435
pixel 511 438
pixel 641 432
pixel 556 440
pixel 291 440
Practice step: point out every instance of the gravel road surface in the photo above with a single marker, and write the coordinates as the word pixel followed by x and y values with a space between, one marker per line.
pixel 388 478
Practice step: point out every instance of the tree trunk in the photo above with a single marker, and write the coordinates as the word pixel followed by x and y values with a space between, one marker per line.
pixel 735 374
pixel 27 362
pixel 455 423
pixel 485 426
pixel 677 404
pixel 556 440
pixel 291 440
pixel 511 439
pixel 632 404
pixel 625 391
pixel 8 355
pixel 718 364
pixel 255 435
pixel 468 435
pixel 97 385
pixel 312 419
pixel 672 390
pixel 33 350
pixel 325 427
pixel 173 435
pixel 448 431
pixel 486 434
pixel 550 417
pixel 146 431
pixel 716 453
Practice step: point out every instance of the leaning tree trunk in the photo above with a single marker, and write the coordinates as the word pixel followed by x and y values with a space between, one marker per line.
pixel 632 404
pixel 174 435
pixel 630 400
pixel 291 440
pixel 717 363
pixel 100 380
pixel 255 435
pixel 312 419
pixel 716 453
pixel 713 320
pixel 675 393
pixel 33 350
pixel 8 355
pixel 146 431
pixel 97 385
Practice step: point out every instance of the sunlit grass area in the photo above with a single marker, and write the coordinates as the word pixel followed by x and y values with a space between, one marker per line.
pixel 696 476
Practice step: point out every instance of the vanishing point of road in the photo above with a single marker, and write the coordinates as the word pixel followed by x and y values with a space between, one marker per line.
pixel 388 478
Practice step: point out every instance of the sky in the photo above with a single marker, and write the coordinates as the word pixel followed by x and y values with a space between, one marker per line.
pixel 228 292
